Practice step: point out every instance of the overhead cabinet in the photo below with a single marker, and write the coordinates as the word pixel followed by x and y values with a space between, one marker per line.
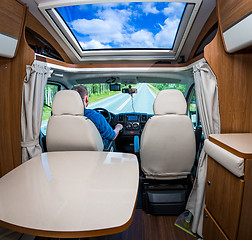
pixel 12 14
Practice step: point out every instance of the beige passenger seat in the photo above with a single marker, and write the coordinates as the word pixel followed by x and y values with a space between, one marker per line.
pixel 167 152
pixel 68 129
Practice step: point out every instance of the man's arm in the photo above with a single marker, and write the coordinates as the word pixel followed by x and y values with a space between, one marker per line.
pixel 117 129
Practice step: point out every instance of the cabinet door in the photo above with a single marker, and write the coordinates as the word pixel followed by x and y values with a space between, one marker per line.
pixel 224 197
pixel 211 230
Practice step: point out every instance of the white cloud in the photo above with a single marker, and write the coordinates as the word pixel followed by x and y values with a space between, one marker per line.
pixel 121 16
pixel 109 27
pixel 167 11
pixel 166 36
pixel 93 44
pixel 149 7
pixel 174 9
pixel 142 38
pixel 99 30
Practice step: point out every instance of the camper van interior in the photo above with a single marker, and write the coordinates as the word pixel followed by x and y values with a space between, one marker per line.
pixel 160 144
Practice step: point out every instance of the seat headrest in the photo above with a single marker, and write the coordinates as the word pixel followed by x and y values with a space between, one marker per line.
pixel 170 101
pixel 67 102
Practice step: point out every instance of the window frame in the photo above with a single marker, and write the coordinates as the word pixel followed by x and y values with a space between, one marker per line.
pixel 189 98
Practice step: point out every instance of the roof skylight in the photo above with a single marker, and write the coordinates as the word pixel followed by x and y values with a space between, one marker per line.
pixel 127 25
pixel 124 29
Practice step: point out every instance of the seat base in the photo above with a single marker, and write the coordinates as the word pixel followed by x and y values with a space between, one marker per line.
pixel 165 197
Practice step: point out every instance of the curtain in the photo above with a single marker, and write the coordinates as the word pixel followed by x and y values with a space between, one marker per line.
pixel 32 108
pixel 208 105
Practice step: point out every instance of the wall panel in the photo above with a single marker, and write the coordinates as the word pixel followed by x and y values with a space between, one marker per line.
pixel 234 76
pixel 12 73
pixel 232 10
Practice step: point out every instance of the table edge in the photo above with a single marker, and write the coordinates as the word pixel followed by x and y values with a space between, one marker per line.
pixel 70 234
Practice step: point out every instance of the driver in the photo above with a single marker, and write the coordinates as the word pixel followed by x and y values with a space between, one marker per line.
pixel 106 131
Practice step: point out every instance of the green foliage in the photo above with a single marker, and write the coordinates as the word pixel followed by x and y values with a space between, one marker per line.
pixel 162 86
pixel 50 91
pixel 193 104
pixel 46 113
pixel 97 97
pixel 96 92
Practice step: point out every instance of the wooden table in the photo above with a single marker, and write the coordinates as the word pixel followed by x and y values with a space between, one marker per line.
pixel 70 194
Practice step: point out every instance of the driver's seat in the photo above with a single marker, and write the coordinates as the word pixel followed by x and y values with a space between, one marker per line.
pixel 68 129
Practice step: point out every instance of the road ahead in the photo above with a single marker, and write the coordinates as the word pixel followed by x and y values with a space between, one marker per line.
pixel 122 102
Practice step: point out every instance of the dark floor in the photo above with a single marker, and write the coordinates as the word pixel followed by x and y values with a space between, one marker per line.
pixel 147 227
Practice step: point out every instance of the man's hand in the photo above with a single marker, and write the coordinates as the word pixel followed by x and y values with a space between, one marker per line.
pixel 118 128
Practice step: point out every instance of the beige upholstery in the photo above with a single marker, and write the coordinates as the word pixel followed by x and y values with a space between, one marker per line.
pixel 168 141
pixel 67 102
pixel 228 160
pixel 68 129
pixel 170 101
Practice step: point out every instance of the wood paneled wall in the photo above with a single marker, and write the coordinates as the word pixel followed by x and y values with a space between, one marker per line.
pixel 231 11
pixel 234 76
pixel 12 73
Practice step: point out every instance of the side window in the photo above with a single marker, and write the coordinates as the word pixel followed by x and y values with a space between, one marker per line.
pixel 192 108
pixel 50 91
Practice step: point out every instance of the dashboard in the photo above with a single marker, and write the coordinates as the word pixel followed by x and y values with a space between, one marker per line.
pixel 133 125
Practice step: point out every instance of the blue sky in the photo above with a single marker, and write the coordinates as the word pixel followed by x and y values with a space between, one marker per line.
pixel 124 25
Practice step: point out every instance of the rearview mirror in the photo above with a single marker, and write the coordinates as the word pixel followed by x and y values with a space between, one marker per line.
pixel 115 87
pixel 129 90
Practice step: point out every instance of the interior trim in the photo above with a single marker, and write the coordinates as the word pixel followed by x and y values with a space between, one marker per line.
pixel 117 65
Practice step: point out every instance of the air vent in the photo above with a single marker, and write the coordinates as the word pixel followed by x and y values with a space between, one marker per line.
pixel 143 118
pixel 120 118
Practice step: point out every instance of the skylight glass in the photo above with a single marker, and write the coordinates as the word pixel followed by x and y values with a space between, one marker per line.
pixel 128 25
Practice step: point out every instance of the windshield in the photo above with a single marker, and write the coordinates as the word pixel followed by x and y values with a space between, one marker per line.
pixel 117 102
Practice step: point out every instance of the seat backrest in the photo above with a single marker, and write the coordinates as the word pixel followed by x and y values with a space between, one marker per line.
pixel 168 142
pixel 68 129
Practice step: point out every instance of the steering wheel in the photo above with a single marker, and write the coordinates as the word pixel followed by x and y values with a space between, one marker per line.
pixel 105 113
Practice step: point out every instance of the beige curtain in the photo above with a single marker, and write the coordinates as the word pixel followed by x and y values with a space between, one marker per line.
pixel 208 105
pixel 32 108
